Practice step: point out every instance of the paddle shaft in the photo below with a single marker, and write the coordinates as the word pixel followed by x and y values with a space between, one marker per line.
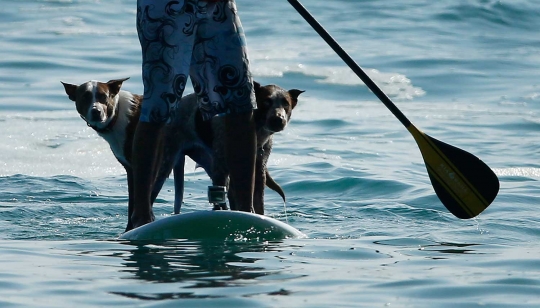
pixel 350 62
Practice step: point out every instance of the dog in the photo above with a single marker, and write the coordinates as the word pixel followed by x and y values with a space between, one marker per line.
pixel 273 113
pixel 114 114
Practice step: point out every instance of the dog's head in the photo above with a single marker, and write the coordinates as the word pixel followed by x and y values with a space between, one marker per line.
pixel 96 101
pixel 275 105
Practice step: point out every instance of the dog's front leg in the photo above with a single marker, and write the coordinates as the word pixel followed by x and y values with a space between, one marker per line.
pixel 260 179
pixel 130 197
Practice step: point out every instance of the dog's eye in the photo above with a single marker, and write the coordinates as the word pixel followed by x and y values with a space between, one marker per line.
pixel 268 102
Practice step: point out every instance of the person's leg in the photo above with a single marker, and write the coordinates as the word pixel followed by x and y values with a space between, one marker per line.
pixel 166 38
pixel 240 150
pixel 145 163
pixel 223 82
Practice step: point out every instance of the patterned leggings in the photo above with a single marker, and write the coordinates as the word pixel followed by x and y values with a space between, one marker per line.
pixel 204 40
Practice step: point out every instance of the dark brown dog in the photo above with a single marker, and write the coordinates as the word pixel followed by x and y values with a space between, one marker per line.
pixel 274 109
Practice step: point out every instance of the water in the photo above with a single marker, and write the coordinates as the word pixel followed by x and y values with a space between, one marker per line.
pixel 465 72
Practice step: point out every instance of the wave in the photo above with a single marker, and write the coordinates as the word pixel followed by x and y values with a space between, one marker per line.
pixel 511 14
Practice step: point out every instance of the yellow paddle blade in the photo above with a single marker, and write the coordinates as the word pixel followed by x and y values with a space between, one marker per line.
pixel 464 184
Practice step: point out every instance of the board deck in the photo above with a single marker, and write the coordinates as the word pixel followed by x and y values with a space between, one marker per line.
pixel 219 225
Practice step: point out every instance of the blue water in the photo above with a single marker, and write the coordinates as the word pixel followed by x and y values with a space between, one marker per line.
pixel 465 72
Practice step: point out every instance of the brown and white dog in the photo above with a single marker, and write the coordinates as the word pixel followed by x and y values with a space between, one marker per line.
pixel 114 114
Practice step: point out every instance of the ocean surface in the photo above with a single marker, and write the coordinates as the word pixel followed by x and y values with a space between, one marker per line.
pixel 465 72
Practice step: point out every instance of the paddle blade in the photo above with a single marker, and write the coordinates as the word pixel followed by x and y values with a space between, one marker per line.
pixel 464 184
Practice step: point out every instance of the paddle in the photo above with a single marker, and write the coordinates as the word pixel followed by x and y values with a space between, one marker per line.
pixel 464 184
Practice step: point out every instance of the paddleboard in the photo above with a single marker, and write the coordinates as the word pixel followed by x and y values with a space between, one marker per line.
pixel 218 225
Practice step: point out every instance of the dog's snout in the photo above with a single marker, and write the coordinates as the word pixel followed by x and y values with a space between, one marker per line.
pixel 276 123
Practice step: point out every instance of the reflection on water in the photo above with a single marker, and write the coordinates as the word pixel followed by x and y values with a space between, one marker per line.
pixel 429 249
pixel 452 248
pixel 293 273
pixel 197 265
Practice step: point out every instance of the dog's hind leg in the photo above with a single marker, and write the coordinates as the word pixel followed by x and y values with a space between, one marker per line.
pixel 157 188
pixel 162 176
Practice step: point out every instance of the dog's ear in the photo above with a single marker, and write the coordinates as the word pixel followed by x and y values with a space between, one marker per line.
pixel 294 93
pixel 256 86
pixel 115 85
pixel 71 90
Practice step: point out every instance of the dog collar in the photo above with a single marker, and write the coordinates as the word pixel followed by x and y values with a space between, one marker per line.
pixel 109 126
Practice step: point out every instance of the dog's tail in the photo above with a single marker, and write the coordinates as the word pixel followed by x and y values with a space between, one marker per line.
pixel 274 186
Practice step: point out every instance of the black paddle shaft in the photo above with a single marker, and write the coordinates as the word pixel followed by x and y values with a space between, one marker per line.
pixel 350 62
